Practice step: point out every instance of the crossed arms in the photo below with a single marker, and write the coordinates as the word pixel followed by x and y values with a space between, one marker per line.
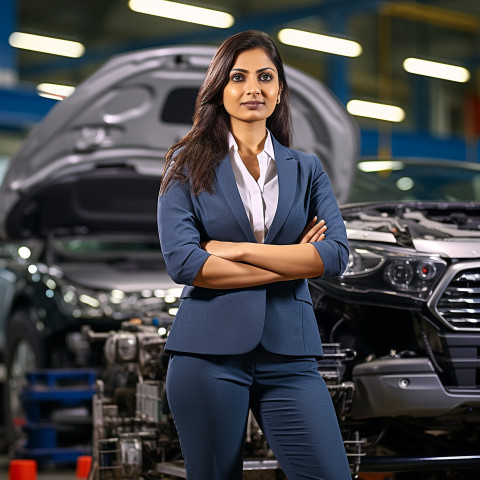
pixel 237 265
pixel 227 265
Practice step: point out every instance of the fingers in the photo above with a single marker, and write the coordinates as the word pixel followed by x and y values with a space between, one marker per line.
pixel 318 231
pixel 314 231
pixel 320 235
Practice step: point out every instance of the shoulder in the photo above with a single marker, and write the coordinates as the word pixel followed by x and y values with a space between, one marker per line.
pixel 302 156
pixel 308 162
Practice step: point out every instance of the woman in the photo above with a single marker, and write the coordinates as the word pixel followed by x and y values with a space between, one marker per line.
pixel 238 226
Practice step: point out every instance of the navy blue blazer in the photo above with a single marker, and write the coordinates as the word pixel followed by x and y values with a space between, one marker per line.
pixel 278 315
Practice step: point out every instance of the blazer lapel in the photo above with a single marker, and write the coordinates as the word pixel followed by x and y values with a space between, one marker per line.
pixel 228 186
pixel 287 180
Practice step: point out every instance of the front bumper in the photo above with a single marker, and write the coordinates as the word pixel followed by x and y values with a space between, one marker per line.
pixel 404 386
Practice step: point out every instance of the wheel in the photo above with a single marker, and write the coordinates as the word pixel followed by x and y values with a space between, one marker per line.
pixel 25 351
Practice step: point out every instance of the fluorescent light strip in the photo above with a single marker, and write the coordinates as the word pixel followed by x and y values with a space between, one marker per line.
pixel 55 91
pixel 322 43
pixel 436 70
pixel 379 165
pixel 39 43
pixel 183 12
pixel 379 111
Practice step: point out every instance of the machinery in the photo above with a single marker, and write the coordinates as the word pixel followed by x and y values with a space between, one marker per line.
pixel 133 432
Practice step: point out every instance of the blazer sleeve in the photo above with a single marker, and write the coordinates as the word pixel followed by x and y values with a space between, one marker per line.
pixel 179 234
pixel 333 249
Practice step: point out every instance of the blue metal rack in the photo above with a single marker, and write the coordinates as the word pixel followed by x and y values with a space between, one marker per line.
pixel 47 392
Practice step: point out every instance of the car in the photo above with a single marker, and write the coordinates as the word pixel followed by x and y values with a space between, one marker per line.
pixel 408 304
pixel 400 326
pixel 78 205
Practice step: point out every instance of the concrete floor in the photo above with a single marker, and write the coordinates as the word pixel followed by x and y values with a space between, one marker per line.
pixel 68 472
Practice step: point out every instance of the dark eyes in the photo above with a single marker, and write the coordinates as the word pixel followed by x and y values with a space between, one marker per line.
pixel 263 77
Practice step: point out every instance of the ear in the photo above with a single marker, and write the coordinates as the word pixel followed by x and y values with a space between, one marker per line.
pixel 279 96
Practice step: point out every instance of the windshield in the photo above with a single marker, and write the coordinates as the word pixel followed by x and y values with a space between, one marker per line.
pixel 396 180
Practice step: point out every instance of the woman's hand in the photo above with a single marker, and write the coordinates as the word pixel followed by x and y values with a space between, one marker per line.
pixel 227 250
pixel 313 232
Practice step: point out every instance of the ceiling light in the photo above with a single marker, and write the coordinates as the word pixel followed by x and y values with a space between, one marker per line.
pixel 183 12
pixel 38 43
pixel 52 90
pixel 379 111
pixel 436 69
pixel 322 43
pixel 24 252
pixel 379 165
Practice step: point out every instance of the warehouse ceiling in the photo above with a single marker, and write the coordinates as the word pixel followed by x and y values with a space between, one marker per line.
pixel 109 26
pixel 388 31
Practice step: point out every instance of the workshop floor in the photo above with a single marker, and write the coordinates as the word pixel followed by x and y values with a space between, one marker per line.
pixel 68 472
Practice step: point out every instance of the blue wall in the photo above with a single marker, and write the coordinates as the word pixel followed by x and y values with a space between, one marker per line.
pixel 420 145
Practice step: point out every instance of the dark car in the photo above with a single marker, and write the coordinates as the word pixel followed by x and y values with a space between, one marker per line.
pixel 409 306
pixel 400 329
pixel 78 204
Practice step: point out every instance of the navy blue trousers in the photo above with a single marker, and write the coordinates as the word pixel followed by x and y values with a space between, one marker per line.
pixel 210 396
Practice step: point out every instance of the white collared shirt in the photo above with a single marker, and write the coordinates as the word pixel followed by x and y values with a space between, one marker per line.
pixel 260 198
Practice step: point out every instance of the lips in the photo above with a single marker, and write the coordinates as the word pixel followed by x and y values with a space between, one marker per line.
pixel 252 104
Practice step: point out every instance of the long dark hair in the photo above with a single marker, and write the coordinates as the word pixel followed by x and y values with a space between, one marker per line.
pixel 196 155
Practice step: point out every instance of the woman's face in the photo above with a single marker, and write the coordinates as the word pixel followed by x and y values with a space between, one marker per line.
pixel 253 89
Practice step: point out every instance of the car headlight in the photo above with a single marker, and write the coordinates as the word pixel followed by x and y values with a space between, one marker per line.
pixel 390 271
pixel 363 262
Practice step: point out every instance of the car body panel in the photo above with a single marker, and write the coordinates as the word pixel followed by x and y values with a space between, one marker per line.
pixel 131 110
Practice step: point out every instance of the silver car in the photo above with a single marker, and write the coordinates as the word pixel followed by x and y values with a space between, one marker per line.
pixel 78 205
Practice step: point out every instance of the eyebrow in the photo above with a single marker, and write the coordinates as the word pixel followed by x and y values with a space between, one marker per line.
pixel 246 71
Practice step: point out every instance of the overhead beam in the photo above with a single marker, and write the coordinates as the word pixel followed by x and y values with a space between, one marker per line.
pixel 420 12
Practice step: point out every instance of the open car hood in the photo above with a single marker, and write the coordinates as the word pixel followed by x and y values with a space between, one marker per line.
pixel 94 163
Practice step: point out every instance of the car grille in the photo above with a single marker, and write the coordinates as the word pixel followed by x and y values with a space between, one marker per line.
pixel 459 304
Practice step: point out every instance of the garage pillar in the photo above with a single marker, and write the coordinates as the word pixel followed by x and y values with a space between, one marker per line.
pixel 8 57
pixel 337 66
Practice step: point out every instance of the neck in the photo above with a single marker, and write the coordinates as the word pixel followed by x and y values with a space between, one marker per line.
pixel 250 137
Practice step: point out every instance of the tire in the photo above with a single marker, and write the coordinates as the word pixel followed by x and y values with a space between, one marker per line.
pixel 25 351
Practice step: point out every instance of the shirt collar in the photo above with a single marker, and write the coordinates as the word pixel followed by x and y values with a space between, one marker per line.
pixel 268 147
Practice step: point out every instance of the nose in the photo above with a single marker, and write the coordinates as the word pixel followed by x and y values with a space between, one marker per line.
pixel 253 88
